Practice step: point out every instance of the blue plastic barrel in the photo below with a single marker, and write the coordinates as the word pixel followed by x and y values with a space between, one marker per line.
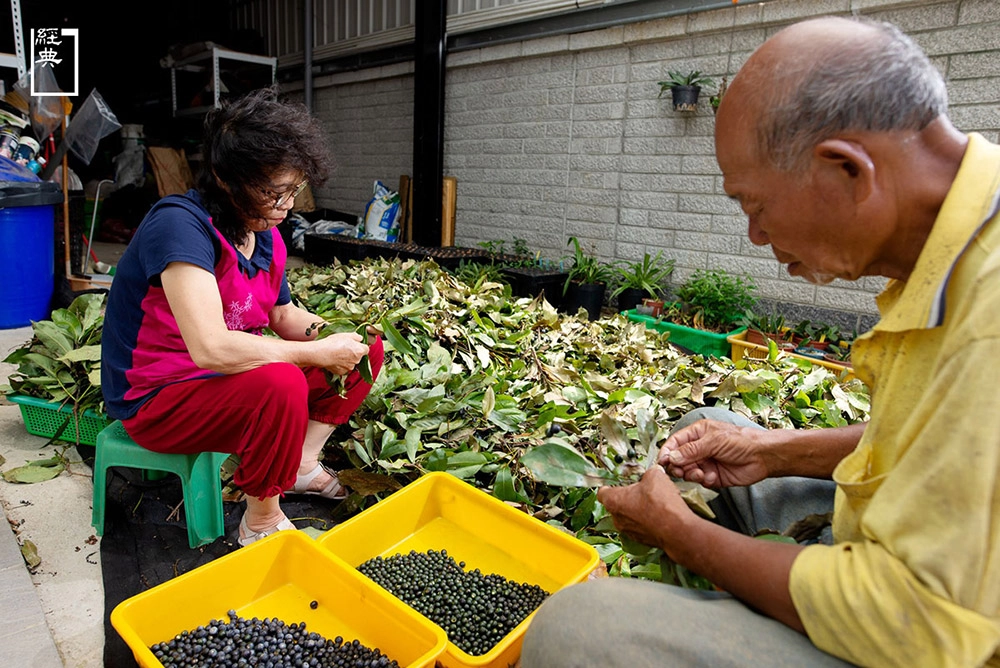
pixel 27 244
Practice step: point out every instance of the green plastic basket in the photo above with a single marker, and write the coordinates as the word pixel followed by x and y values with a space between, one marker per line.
pixel 46 418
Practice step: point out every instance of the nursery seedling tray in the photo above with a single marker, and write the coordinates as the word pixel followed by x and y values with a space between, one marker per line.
pixel 47 418
pixel 280 576
pixel 439 511
pixel 324 248
pixel 534 281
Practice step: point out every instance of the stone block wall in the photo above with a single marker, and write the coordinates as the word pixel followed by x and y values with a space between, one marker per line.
pixel 565 136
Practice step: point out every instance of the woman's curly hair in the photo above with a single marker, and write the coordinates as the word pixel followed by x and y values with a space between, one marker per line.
pixel 248 140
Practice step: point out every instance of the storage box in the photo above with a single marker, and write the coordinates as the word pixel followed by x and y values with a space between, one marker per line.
pixel 698 341
pixel 439 511
pixel 47 418
pixel 742 348
pixel 279 576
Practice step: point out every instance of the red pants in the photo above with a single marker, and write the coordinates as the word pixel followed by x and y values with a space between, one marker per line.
pixel 260 415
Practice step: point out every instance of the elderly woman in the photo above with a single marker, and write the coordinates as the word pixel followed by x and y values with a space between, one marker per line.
pixel 186 366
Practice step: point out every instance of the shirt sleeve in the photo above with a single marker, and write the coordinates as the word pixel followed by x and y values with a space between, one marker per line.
pixel 284 293
pixel 922 587
pixel 174 233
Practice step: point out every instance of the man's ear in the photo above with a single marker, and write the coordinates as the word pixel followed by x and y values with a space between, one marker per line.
pixel 848 162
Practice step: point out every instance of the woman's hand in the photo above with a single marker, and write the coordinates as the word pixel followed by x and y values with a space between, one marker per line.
pixel 650 511
pixel 715 454
pixel 340 353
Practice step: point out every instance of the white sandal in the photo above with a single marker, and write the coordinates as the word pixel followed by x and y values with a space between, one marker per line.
pixel 334 490
pixel 245 536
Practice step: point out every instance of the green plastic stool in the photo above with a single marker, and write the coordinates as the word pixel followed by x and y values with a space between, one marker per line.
pixel 199 474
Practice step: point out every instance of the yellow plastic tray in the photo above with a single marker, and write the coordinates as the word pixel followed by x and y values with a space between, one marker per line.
pixel 279 576
pixel 439 511
pixel 743 348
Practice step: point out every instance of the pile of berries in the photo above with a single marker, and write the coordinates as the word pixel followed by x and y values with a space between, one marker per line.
pixel 268 642
pixel 474 609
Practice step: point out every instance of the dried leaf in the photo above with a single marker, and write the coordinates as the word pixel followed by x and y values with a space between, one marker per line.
pixel 366 484
pixel 30 554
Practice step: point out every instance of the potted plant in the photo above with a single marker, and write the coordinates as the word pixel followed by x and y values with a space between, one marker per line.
pixel 528 274
pixel 586 282
pixel 684 88
pixel 641 280
pixel 709 307
pixel 761 327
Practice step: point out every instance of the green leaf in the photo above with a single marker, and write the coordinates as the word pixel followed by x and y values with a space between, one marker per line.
pixel 53 337
pixel 85 354
pixel 776 538
pixel 489 401
pixel 412 442
pixel 558 465
pixel 35 471
pixel 505 489
pixel 614 433
pixel 396 339
pixel 584 514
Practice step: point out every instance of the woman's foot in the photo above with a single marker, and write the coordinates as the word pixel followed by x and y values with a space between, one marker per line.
pixel 251 531
pixel 320 481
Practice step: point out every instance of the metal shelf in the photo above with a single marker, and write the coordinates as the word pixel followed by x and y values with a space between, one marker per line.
pixel 211 58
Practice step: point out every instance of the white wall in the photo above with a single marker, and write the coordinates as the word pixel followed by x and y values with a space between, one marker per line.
pixel 564 135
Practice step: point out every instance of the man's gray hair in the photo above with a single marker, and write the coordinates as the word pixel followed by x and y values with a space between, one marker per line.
pixel 880 83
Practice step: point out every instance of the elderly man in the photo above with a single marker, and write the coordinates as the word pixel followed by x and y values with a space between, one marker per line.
pixel 834 140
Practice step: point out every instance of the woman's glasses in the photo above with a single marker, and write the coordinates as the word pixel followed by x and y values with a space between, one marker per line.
pixel 279 200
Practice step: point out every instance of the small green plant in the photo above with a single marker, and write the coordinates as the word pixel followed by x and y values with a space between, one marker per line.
pixel 586 268
pixel 494 246
pixel 771 325
pixel 521 247
pixel 693 78
pixel 647 275
pixel 474 274
pixel 717 299
pixel 521 256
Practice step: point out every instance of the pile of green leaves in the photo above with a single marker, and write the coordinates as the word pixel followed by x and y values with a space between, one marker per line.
pixel 536 407
pixel 62 362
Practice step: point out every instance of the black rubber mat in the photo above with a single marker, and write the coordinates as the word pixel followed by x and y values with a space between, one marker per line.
pixel 145 541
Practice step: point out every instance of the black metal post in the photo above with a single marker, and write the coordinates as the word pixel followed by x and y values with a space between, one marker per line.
pixel 307 49
pixel 428 120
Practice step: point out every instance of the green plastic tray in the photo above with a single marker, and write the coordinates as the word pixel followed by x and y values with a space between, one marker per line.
pixel 697 341
pixel 45 418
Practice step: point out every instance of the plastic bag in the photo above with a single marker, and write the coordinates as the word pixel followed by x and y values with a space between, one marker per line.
pixel 381 218
pixel 92 122
pixel 45 111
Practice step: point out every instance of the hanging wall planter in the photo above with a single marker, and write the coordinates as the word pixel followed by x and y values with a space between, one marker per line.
pixel 684 89
pixel 685 98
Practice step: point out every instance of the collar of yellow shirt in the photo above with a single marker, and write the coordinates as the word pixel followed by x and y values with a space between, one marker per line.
pixel 971 203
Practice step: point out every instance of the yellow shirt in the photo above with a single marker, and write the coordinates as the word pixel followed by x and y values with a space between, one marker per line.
pixel 914 576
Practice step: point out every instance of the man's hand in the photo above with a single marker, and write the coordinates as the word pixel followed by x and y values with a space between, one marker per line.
pixel 341 352
pixel 715 454
pixel 651 511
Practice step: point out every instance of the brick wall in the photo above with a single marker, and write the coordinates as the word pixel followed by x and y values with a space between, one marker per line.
pixel 564 136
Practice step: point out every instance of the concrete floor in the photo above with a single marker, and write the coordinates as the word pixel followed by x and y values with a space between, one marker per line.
pixel 53 615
